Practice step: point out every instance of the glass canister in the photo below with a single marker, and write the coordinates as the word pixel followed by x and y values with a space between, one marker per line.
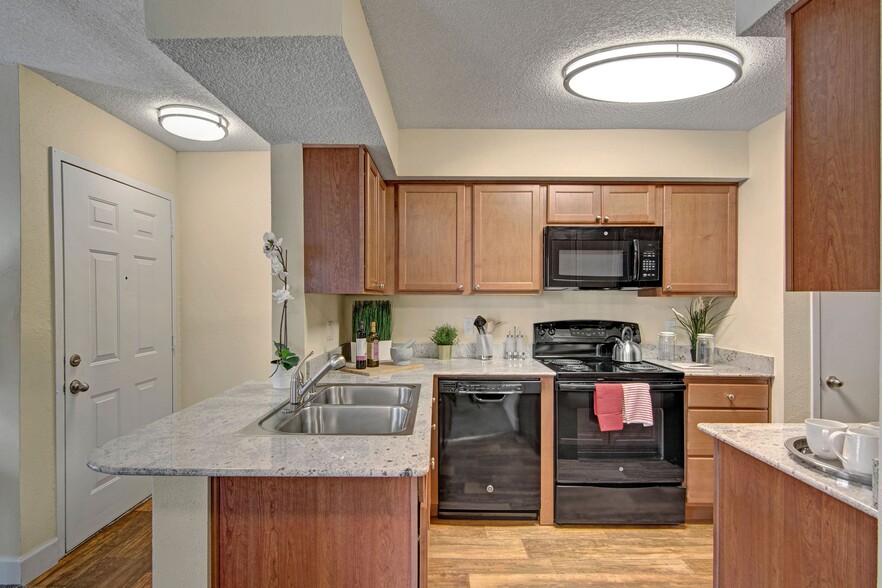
pixel 704 349
pixel 666 342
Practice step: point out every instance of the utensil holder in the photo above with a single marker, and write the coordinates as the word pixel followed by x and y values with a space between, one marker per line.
pixel 484 346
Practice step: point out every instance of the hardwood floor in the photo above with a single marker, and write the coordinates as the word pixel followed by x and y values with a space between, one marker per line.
pixel 467 555
pixel 119 556
pixel 496 555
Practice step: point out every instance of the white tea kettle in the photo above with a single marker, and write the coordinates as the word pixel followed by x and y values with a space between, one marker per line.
pixel 626 350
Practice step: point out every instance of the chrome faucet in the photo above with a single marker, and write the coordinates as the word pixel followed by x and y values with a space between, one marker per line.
pixel 302 393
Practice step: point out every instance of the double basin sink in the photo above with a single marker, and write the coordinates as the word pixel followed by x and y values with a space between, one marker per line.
pixel 345 409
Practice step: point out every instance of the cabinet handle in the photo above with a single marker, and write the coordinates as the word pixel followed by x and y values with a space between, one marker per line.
pixel 460 287
pixel 731 397
pixel 382 285
pixel 434 426
pixel 668 288
pixel 597 218
pixel 606 219
pixel 477 286
pixel 432 463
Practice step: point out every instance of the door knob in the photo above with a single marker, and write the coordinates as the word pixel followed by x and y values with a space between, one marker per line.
pixel 75 360
pixel 834 382
pixel 76 387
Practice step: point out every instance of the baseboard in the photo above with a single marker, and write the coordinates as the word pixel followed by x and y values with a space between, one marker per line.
pixel 16 571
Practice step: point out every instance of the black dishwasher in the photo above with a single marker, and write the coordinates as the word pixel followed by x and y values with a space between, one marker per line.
pixel 488 448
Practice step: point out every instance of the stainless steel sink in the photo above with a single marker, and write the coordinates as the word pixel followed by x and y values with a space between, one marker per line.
pixel 340 409
pixel 348 420
pixel 365 395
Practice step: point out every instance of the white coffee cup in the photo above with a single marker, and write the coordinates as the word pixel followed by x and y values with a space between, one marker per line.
pixel 860 448
pixel 817 433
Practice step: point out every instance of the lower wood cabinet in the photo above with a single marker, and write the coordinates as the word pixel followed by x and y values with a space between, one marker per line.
pixel 716 400
pixel 319 532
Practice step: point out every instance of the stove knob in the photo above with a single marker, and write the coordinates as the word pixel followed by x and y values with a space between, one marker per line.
pixel 552 331
pixel 541 331
pixel 490 488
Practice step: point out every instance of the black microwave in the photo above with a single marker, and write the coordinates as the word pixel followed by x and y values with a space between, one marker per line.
pixel 602 258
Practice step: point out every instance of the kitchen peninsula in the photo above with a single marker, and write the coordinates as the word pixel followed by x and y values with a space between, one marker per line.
pixel 780 523
pixel 219 496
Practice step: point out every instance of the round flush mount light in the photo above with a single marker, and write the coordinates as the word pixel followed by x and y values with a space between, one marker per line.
pixel 653 72
pixel 192 122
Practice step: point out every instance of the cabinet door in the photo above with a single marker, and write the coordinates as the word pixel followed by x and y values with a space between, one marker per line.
pixel 631 205
pixel 432 238
pixel 507 238
pixel 374 228
pixel 833 146
pixel 578 205
pixel 701 240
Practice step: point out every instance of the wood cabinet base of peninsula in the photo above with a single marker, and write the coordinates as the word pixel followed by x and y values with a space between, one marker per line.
pixel 774 530
pixel 281 532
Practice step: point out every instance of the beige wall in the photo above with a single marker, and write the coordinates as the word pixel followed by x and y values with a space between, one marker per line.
pixel 612 154
pixel 52 117
pixel 223 209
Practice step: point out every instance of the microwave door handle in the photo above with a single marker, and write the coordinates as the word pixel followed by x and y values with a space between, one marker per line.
pixel 636 275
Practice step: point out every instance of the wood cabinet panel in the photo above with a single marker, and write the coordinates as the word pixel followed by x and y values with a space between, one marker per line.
pixel 432 238
pixel 699 444
pixel 333 239
pixel 316 531
pixel 574 205
pixel 700 240
pixel 631 205
pixel 700 480
pixel 375 229
pixel 833 146
pixel 771 529
pixel 507 238
pixel 718 396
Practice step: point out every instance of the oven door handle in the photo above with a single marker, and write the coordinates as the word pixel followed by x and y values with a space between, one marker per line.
pixel 636 275
pixel 589 386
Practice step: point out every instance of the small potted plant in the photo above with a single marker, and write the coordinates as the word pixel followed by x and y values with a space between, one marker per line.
pixel 701 317
pixel 444 336
pixel 286 360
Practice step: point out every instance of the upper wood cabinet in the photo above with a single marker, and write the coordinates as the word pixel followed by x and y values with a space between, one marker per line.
pixel 507 242
pixel 374 229
pixel 700 248
pixel 345 229
pixel 433 238
pixel 614 204
pixel 833 146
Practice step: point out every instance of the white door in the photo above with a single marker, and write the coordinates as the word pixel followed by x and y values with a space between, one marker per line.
pixel 118 320
pixel 849 356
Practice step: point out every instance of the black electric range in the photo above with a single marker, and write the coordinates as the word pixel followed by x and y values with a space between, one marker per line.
pixel 631 476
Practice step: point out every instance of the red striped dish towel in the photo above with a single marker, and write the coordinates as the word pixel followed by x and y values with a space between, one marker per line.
pixel 638 404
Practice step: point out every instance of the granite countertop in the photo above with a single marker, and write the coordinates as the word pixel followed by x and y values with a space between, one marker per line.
pixel 719 370
pixel 765 441
pixel 201 440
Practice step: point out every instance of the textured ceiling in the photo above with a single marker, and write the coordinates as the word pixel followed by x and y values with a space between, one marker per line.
pixel 288 89
pixel 98 50
pixel 497 63
pixel 771 24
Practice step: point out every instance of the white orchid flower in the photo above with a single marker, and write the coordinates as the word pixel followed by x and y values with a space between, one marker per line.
pixel 276 264
pixel 269 237
pixel 282 295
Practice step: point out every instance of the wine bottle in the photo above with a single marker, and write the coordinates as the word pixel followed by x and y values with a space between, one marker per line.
pixel 360 347
pixel 373 347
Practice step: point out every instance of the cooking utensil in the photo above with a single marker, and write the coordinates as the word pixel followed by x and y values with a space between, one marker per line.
pixel 480 323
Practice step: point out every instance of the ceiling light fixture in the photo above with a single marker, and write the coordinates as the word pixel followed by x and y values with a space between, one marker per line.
pixel 192 122
pixel 653 72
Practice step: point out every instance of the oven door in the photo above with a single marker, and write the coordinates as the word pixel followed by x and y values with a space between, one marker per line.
pixel 632 476
pixel 577 258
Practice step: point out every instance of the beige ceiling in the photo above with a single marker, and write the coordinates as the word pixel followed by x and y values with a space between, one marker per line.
pixel 497 63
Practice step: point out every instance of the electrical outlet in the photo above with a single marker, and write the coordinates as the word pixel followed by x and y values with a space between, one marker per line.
pixel 670 324
pixel 468 326
pixel 330 330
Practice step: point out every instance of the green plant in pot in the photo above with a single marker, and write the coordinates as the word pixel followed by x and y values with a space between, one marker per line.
pixel 444 336
pixel 702 316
